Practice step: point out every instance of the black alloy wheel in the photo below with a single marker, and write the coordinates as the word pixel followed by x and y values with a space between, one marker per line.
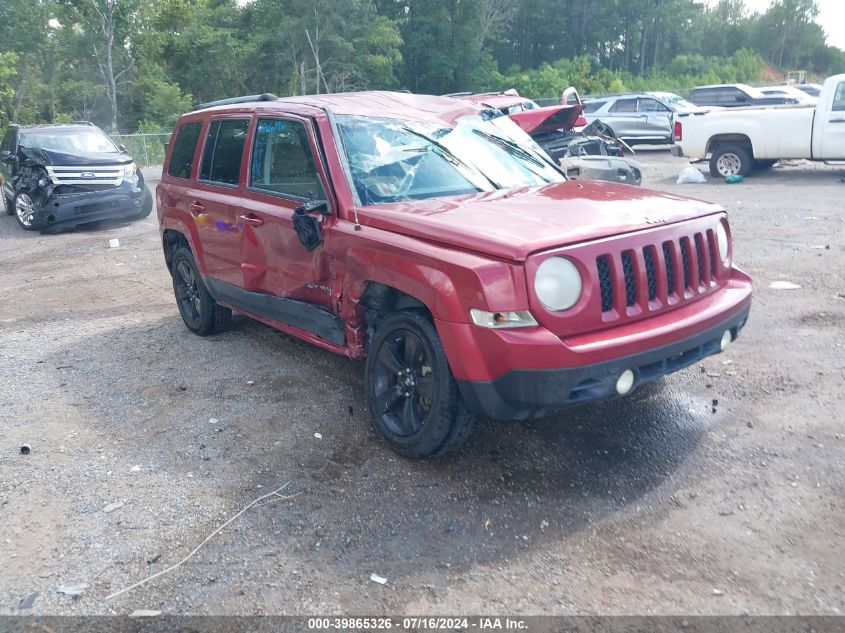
pixel 412 395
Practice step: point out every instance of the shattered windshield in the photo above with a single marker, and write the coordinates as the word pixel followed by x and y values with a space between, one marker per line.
pixel 392 160
pixel 72 141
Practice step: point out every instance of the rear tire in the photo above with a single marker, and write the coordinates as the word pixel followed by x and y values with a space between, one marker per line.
pixel 412 395
pixel 730 160
pixel 199 311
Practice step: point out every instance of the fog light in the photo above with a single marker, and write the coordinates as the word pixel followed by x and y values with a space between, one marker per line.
pixel 625 382
pixel 726 340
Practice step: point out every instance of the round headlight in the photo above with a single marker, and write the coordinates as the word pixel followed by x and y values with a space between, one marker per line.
pixel 557 283
pixel 722 242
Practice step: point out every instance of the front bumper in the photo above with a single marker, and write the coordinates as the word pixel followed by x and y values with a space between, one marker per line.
pixel 523 394
pixel 65 211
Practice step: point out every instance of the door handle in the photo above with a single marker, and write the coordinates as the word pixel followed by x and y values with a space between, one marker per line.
pixel 251 219
pixel 196 208
pixel 836 120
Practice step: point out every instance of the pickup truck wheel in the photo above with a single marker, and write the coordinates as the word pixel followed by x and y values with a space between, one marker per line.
pixel 411 392
pixel 199 311
pixel 26 206
pixel 730 160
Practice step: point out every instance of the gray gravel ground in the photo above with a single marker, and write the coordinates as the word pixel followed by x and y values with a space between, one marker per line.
pixel 145 438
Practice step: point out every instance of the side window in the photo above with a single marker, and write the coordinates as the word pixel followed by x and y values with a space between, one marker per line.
pixel 624 105
pixel 282 160
pixel 592 106
pixel 652 105
pixel 224 147
pixel 839 98
pixel 706 96
pixel 182 156
pixel 8 141
pixel 733 96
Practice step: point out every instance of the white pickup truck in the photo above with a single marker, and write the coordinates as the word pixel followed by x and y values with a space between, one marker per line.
pixel 741 139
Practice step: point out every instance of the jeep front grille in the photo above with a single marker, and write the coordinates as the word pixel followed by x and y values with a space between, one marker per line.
pixel 640 277
pixel 94 175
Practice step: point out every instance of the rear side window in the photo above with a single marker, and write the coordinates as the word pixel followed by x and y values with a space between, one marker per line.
pixel 839 98
pixel 624 105
pixel 224 146
pixel 182 156
pixel 282 160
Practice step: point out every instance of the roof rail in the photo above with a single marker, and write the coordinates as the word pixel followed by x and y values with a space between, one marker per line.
pixel 267 96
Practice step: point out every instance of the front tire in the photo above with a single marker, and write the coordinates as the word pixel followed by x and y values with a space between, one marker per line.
pixel 146 205
pixel 199 311
pixel 26 209
pixel 411 393
pixel 731 160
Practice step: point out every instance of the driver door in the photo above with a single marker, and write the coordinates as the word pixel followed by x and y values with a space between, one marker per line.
pixel 284 173
pixel 7 163
pixel 656 118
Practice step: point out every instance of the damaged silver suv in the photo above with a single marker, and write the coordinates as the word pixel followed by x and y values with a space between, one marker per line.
pixel 56 177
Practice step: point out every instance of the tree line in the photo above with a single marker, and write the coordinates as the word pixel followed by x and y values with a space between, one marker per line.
pixel 138 64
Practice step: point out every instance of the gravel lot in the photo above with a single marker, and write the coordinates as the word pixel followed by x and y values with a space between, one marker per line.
pixel 722 494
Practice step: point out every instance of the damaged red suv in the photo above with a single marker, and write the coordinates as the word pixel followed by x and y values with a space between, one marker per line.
pixel 435 239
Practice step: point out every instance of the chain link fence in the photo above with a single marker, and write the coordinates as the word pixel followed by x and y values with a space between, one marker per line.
pixel 146 148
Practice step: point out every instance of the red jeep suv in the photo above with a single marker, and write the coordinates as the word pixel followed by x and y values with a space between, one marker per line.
pixel 434 238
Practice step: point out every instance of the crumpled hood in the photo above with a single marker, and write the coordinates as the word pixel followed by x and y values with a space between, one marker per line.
pixel 53 157
pixel 547 119
pixel 513 224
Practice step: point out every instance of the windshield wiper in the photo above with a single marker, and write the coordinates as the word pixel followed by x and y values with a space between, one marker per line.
pixel 509 145
pixel 446 154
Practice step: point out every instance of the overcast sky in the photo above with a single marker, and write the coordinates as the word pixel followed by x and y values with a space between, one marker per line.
pixel 831 17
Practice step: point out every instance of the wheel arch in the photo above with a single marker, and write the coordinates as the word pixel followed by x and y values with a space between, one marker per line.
pixel 171 240
pixel 730 139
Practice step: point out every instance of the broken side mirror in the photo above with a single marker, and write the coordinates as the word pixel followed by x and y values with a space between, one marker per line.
pixel 307 227
pixel 312 206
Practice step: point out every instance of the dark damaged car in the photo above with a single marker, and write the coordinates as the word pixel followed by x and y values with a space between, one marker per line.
pixel 57 177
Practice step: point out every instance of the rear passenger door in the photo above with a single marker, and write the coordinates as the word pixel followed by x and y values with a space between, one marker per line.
pixel 215 200
pixel 284 173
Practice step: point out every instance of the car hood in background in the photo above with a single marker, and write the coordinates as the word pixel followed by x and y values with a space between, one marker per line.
pixel 54 157
pixel 512 224
pixel 547 119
